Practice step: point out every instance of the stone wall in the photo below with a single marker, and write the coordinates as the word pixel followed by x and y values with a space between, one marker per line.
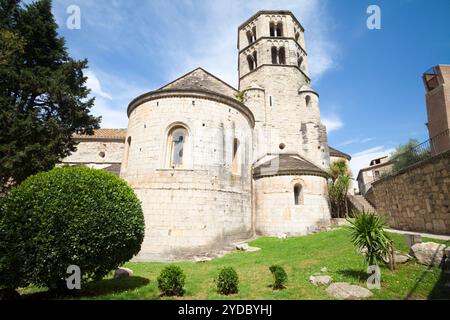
pixel 97 154
pixel 202 206
pixel 418 197
pixel 276 211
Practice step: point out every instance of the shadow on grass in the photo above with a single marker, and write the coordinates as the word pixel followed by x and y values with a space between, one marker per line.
pixel 439 291
pixel 93 289
pixel 354 274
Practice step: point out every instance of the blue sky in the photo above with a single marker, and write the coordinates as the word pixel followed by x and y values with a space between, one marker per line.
pixel 372 96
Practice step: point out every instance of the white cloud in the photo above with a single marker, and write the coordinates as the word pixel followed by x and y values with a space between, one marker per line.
pixel 94 84
pixel 332 123
pixel 362 159
pixel 180 36
pixel 112 108
pixel 210 42
pixel 355 141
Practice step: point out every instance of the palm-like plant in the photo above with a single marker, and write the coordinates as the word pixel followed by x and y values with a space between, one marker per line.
pixel 368 233
pixel 340 181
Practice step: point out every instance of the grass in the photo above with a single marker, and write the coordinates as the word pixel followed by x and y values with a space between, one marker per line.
pixel 300 257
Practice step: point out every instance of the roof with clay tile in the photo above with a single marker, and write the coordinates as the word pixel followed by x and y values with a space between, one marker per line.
pixel 104 134
pixel 287 164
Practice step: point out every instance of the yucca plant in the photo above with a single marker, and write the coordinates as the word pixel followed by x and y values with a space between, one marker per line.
pixel 368 233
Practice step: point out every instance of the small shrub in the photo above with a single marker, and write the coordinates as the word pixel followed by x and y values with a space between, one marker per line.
pixel 280 277
pixel 171 281
pixel 227 282
pixel 67 216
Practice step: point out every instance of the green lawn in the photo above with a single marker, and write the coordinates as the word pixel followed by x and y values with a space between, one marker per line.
pixel 301 257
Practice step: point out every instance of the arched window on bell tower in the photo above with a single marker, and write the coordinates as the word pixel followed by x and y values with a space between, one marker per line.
pixel 299 60
pixel 272 29
pixel 279 29
pixel 274 51
pixel 282 55
pixel 251 65
pixel 255 59
pixel 249 37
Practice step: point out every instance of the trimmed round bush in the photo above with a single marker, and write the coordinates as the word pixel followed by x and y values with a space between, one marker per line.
pixel 67 216
pixel 171 281
pixel 227 282
pixel 280 277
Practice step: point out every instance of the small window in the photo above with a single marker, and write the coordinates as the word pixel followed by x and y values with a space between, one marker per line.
pixel 308 101
pixel 255 59
pixel 127 152
pixel 254 33
pixel 177 141
pixel 236 165
pixel 298 195
pixel 297 36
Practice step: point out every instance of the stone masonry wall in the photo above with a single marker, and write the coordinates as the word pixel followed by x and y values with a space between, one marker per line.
pixel 202 206
pixel 276 211
pixel 418 198
pixel 97 154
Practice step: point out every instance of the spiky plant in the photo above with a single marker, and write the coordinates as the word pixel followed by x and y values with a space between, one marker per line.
pixel 368 233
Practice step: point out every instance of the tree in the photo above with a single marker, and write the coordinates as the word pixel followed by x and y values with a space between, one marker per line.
pixel 43 96
pixel 408 154
pixel 340 181
pixel 67 216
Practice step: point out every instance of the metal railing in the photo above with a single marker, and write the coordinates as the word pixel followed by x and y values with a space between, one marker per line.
pixel 426 150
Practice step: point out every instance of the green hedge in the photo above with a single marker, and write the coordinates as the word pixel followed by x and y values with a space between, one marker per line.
pixel 171 281
pixel 227 281
pixel 280 277
pixel 67 216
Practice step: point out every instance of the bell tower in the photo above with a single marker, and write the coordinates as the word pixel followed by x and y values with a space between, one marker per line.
pixel 273 73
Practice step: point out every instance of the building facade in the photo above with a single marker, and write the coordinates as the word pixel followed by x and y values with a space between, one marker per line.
pixel 213 164
pixel 437 86
pixel 375 171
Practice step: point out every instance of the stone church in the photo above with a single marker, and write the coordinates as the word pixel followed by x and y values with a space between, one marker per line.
pixel 213 164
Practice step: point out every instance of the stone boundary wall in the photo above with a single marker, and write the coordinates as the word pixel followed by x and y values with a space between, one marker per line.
pixel 418 197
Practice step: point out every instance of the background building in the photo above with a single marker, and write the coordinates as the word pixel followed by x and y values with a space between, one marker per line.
pixel 437 86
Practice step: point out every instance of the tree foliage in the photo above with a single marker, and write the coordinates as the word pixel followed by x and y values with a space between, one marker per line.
pixel 43 94
pixel 408 154
pixel 338 187
pixel 67 216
